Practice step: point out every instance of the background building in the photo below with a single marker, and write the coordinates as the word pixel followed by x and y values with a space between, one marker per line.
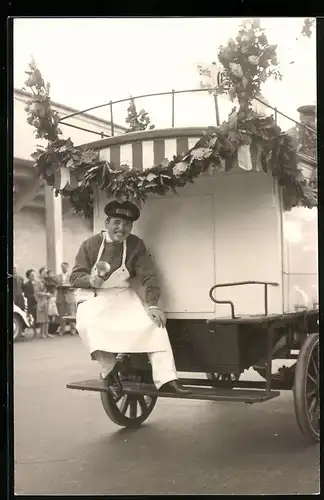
pixel 39 238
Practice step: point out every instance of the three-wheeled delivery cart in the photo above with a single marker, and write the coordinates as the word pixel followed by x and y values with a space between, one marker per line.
pixel 231 273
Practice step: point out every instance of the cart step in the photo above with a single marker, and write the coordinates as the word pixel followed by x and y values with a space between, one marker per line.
pixel 202 393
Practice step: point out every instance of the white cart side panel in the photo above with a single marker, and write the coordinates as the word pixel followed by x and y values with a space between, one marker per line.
pixel 300 233
pixel 179 233
pixel 225 227
pixel 248 242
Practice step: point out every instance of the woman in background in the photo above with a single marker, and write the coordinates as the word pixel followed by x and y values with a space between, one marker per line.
pixel 42 298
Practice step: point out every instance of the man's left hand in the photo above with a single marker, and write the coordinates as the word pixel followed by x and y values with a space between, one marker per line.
pixel 157 317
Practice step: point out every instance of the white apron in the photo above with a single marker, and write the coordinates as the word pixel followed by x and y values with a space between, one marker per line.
pixel 115 320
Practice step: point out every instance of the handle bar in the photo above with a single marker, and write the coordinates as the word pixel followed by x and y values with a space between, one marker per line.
pixel 239 283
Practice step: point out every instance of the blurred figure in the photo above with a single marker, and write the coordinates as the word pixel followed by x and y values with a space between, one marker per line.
pixel 65 300
pixel 53 315
pixel 18 292
pixel 29 291
pixel 42 298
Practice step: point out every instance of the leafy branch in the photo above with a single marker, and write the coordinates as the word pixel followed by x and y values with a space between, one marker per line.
pixel 137 121
pixel 248 62
pixel 307 29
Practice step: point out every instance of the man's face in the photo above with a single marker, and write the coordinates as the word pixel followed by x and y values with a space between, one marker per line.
pixel 308 120
pixel 118 229
pixel 43 273
pixel 14 271
pixel 65 268
pixel 32 275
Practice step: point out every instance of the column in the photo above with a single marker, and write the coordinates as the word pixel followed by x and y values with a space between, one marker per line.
pixel 54 229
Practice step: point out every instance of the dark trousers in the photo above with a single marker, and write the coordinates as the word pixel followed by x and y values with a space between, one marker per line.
pixel 52 328
pixel 19 301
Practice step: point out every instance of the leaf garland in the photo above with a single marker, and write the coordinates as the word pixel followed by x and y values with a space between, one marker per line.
pixel 247 62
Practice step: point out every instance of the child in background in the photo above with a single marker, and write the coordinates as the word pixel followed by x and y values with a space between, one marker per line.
pixel 53 315
pixel 42 297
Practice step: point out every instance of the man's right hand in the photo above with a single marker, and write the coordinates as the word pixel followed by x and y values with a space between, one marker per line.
pixel 96 281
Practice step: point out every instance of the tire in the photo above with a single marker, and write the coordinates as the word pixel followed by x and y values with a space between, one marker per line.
pixel 17 327
pixel 117 409
pixel 306 389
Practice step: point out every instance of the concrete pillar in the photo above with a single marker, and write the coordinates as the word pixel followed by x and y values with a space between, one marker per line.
pixel 54 230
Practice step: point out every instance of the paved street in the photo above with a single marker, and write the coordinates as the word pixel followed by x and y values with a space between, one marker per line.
pixel 65 443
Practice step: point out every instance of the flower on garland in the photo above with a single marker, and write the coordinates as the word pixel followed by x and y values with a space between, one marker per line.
pixel 246 139
pixel 180 168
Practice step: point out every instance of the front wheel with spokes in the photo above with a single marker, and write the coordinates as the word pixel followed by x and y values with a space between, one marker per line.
pixel 128 410
pixel 306 388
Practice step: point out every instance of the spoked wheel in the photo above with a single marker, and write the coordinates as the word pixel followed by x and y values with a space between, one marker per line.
pixel 223 377
pixel 306 389
pixel 128 410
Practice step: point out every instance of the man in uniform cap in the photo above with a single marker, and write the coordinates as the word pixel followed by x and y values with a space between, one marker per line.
pixel 308 109
pixel 115 320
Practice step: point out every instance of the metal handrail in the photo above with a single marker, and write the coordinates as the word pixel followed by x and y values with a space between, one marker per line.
pixel 172 93
pixel 128 98
pixel 239 283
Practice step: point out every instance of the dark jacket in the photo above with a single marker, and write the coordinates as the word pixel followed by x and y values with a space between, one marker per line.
pixel 18 284
pixel 29 291
pixel 50 284
pixel 138 263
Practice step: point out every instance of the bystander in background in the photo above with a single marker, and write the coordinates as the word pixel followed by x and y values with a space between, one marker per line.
pixel 66 301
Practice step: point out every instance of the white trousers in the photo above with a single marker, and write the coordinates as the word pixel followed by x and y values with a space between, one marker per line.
pixel 162 362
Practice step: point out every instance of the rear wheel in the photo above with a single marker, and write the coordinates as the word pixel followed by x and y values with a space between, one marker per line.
pixel 306 389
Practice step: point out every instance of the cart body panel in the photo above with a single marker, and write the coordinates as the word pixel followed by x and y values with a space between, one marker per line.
pixel 224 227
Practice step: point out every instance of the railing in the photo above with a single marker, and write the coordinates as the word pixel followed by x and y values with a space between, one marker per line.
pixel 172 94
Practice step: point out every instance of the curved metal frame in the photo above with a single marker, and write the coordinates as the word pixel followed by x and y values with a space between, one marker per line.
pixel 172 93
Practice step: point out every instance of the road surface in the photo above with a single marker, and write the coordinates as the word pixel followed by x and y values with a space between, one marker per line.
pixel 66 445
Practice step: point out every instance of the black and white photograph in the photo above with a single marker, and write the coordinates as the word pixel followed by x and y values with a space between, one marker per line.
pixel 165 256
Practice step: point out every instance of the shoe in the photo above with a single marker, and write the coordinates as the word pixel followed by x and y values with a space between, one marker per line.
pixel 175 387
